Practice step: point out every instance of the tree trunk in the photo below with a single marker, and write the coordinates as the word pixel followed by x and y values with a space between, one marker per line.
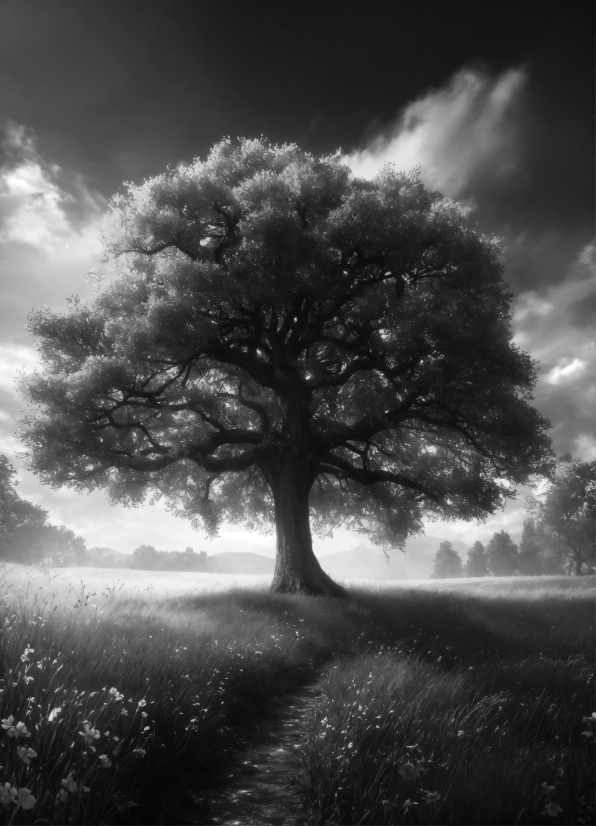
pixel 578 564
pixel 297 569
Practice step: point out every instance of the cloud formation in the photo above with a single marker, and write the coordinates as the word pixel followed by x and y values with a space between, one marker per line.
pixel 556 326
pixel 466 130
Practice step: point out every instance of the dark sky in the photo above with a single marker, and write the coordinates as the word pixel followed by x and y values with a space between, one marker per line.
pixel 119 89
pixel 495 100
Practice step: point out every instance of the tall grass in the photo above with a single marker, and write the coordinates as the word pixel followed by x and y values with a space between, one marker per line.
pixel 119 702
pixel 473 713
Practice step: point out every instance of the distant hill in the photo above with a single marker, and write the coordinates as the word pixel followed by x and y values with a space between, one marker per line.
pixel 369 562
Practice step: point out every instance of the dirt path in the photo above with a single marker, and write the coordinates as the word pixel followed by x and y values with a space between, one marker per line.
pixel 261 785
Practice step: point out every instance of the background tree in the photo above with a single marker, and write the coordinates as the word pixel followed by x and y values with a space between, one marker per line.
pixel 531 557
pixel 447 562
pixel 502 555
pixel 566 515
pixel 274 340
pixel 477 561
pixel 145 557
pixel 25 534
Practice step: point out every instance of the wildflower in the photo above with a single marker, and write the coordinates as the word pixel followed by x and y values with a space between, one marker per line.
pixel 8 794
pixel 590 719
pixel 124 712
pixel 89 734
pixel 116 694
pixel 25 655
pixel 142 703
pixel 350 745
pixel 25 753
pixel 552 809
pixel 105 761
pixel 12 730
pixel 409 771
pixel 25 799
pixel 430 797
pixel 409 802
pixel 140 752
pixel 69 783
pixel 62 796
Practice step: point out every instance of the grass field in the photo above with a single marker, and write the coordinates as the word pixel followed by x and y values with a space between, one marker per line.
pixel 436 702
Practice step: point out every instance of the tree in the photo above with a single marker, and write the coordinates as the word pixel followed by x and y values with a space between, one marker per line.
pixel 276 341
pixel 476 563
pixel 531 550
pixel 447 562
pixel 21 522
pixel 502 555
pixel 25 535
pixel 145 557
pixel 567 512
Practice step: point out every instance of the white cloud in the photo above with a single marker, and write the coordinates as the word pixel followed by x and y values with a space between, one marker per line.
pixel 36 208
pixel 570 371
pixel 585 447
pixel 15 359
pixel 465 129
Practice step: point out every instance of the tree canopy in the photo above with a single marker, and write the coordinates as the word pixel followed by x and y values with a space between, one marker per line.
pixel 567 512
pixel 477 562
pixel 502 555
pixel 447 562
pixel 271 336
pixel 25 534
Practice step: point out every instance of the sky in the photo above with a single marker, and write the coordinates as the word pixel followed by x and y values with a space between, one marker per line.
pixel 493 101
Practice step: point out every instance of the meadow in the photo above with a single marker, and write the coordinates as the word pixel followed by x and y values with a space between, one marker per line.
pixel 125 694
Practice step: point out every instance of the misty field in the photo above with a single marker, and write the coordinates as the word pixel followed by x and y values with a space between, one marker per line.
pixel 131 697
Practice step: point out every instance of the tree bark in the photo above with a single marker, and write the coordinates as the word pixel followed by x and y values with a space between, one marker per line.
pixel 297 570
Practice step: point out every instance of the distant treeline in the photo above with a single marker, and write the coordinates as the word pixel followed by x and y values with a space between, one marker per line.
pixel 147 558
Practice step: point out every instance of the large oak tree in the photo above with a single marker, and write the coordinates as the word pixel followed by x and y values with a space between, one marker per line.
pixel 275 340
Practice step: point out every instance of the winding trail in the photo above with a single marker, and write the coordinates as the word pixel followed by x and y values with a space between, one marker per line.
pixel 262 783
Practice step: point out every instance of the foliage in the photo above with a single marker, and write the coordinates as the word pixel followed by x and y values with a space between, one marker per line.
pixel 567 513
pixel 477 561
pixel 25 534
pixel 447 562
pixel 502 555
pixel 530 559
pixel 148 558
pixel 268 327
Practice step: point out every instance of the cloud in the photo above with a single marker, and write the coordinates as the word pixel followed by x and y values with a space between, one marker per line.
pixel 556 327
pixel 570 371
pixel 50 228
pixel 466 130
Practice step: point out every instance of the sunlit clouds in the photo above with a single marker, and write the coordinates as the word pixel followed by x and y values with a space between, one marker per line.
pixel 465 130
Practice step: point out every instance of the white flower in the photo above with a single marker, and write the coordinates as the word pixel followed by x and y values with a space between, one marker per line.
pixel 105 761
pixel 54 714
pixel 61 796
pixel 409 771
pixel 25 799
pixel 89 734
pixel 552 809
pixel 8 794
pixel 25 753
pixel 142 703
pixel 69 783
pixel 124 712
